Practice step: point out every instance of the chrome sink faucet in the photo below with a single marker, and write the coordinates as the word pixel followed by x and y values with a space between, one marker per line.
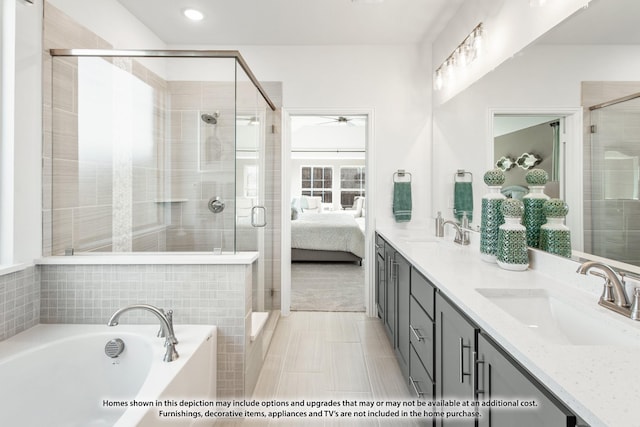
pixel 166 324
pixel 462 230
pixel 614 296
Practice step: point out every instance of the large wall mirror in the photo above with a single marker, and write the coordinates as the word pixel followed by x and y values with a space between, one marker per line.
pixel 590 59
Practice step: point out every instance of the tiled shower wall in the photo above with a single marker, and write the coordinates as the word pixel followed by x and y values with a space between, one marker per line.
pixel 19 301
pixel 611 227
pixel 198 294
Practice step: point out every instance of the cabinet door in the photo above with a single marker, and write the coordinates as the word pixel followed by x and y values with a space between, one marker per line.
pixel 390 295
pixel 501 379
pixel 403 280
pixel 455 347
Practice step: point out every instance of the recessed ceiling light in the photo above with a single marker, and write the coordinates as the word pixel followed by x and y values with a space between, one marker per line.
pixel 193 14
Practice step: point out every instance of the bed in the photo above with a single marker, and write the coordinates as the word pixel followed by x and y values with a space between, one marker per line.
pixel 326 237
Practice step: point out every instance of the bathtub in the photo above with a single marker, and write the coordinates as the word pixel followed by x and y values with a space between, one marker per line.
pixel 59 375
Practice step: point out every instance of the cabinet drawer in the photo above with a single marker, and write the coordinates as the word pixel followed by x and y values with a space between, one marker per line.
pixel 424 292
pixel 422 335
pixel 420 382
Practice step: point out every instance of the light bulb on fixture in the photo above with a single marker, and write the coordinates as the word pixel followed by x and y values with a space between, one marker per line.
pixel 478 35
pixel 438 80
pixel 193 14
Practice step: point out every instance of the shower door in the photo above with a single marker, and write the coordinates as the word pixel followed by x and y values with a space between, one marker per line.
pixel 252 116
pixel 615 181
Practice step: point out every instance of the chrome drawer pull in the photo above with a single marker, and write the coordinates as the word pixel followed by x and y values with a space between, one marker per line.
pixel 477 377
pixel 419 337
pixel 419 393
pixel 462 372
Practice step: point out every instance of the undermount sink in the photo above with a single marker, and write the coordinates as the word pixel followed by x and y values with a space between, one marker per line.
pixel 555 319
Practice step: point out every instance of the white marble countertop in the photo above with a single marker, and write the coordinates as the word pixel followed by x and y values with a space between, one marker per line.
pixel 600 383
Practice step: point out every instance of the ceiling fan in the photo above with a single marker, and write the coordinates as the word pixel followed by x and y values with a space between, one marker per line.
pixel 343 120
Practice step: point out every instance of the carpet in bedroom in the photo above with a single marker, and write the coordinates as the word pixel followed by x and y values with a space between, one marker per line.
pixel 327 286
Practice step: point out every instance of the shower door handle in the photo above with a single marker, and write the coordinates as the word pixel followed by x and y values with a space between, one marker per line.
pixel 254 211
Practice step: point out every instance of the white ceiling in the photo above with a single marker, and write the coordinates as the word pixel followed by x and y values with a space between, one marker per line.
pixel 295 22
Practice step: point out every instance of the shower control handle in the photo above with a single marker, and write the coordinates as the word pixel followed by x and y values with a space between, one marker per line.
pixel 216 205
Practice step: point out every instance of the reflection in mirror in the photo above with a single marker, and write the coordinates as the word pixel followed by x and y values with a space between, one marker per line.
pixel 615 179
pixel 527 161
pixel 563 73
pixel 505 163
pixel 528 134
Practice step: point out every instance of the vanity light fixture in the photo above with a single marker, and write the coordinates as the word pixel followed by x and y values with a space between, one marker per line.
pixel 463 55
pixel 193 14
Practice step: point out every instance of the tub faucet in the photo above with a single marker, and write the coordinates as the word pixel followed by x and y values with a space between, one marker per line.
pixel 462 232
pixel 166 325
pixel 613 296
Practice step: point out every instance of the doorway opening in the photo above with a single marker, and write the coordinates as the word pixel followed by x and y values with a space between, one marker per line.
pixel 328 193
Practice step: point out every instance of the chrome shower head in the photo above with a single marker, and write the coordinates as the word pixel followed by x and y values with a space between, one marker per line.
pixel 210 119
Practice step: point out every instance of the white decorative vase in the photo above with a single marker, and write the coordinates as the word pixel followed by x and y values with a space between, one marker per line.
pixel 534 216
pixel 512 238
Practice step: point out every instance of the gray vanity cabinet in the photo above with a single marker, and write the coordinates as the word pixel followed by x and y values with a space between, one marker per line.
pixel 456 340
pixel 499 377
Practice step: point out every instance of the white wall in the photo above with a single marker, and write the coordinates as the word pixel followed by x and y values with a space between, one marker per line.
pixel 509 26
pixel 542 77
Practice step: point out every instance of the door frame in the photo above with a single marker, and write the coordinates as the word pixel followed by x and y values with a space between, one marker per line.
pixel 370 191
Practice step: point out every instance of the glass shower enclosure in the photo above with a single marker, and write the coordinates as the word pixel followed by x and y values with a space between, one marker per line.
pixel 154 151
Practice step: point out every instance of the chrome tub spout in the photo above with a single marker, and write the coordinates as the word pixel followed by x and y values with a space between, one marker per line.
pixel 166 325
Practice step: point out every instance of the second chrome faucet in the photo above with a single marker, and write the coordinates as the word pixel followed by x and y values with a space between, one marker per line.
pixel 614 296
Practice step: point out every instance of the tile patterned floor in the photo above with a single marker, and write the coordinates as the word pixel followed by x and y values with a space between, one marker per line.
pixel 325 355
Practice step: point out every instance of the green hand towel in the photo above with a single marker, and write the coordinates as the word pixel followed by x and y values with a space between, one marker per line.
pixel 463 200
pixel 402 201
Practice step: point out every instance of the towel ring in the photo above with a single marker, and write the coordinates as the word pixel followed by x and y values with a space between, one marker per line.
pixel 401 174
pixel 461 174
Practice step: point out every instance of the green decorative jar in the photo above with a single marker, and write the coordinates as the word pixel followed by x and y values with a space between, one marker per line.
pixel 512 238
pixel 555 236
pixel 534 216
pixel 492 218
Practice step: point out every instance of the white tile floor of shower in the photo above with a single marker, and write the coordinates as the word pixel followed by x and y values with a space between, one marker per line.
pixel 329 355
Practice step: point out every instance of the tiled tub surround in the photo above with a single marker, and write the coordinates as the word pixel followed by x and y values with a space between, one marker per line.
pixel 19 301
pixel 198 293
pixel 598 382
